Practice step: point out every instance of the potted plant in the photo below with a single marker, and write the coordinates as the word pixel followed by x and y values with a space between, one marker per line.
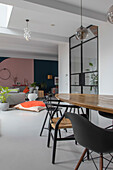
pixel 42 88
pixel 4 105
pixel 34 88
pixel 34 85
pixel 94 79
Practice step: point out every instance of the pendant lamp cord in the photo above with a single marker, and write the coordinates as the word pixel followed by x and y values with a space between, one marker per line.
pixel 27 20
pixel 81 12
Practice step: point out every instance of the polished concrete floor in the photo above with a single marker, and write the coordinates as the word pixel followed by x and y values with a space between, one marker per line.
pixel 21 147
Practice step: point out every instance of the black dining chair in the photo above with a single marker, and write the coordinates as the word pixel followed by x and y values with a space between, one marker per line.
pixel 50 109
pixel 91 137
pixel 58 123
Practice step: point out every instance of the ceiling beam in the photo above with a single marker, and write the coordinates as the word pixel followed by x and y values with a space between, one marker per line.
pixel 56 5
pixel 35 36
pixel 70 8
pixel 28 55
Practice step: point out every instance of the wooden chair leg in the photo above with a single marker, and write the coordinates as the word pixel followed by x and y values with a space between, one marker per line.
pixel 54 145
pixel 81 159
pixel 101 161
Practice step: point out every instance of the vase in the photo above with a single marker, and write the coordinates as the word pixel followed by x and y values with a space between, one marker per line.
pixel 4 106
pixel 32 96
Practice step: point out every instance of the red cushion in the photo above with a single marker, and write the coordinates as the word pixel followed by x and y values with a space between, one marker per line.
pixel 33 104
pixel 26 90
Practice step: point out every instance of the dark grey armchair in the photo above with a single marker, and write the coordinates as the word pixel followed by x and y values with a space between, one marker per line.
pixel 91 137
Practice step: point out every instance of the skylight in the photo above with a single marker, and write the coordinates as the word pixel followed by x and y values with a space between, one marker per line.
pixel 5 13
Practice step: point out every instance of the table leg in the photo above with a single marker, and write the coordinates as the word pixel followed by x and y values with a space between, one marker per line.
pixel 87 113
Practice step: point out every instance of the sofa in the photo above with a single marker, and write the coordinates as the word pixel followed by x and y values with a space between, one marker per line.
pixel 16 95
pixel 16 98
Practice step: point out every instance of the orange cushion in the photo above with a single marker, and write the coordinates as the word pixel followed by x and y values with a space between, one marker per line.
pixel 26 90
pixel 33 104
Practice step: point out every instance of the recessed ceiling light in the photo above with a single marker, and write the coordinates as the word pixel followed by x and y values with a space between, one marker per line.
pixel 52 25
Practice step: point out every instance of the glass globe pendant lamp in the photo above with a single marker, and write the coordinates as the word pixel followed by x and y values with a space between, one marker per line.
pixel 27 33
pixel 110 15
pixel 81 32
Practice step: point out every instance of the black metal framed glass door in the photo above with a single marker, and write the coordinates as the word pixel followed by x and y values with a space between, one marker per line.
pixel 84 63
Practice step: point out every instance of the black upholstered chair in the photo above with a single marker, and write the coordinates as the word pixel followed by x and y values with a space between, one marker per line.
pixel 91 137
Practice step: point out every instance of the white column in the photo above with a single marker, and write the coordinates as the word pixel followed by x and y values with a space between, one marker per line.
pixel 105 64
pixel 63 67
pixel 106 58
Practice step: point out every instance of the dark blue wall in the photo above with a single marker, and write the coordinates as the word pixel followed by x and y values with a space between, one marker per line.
pixel 3 58
pixel 42 68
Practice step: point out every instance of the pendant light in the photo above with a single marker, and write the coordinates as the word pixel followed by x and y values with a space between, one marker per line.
pixel 81 32
pixel 27 33
pixel 110 15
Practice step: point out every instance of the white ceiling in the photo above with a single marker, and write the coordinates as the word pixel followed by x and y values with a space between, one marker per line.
pixel 93 5
pixel 41 21
pixel 42 13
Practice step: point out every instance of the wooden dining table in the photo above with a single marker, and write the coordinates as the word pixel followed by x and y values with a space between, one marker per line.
pixel 102 103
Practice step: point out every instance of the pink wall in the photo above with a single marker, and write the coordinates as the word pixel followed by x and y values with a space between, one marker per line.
pixel 20 68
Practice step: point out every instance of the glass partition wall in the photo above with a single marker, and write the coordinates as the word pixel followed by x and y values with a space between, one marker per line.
pixel 84 63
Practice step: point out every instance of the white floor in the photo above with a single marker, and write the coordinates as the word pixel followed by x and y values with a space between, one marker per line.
pixel 21 147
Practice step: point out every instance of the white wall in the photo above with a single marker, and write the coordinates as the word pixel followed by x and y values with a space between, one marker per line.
pixel 105 64
pixel 106 58
pixel 63 68
pixel 105 61
pixel 105 67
